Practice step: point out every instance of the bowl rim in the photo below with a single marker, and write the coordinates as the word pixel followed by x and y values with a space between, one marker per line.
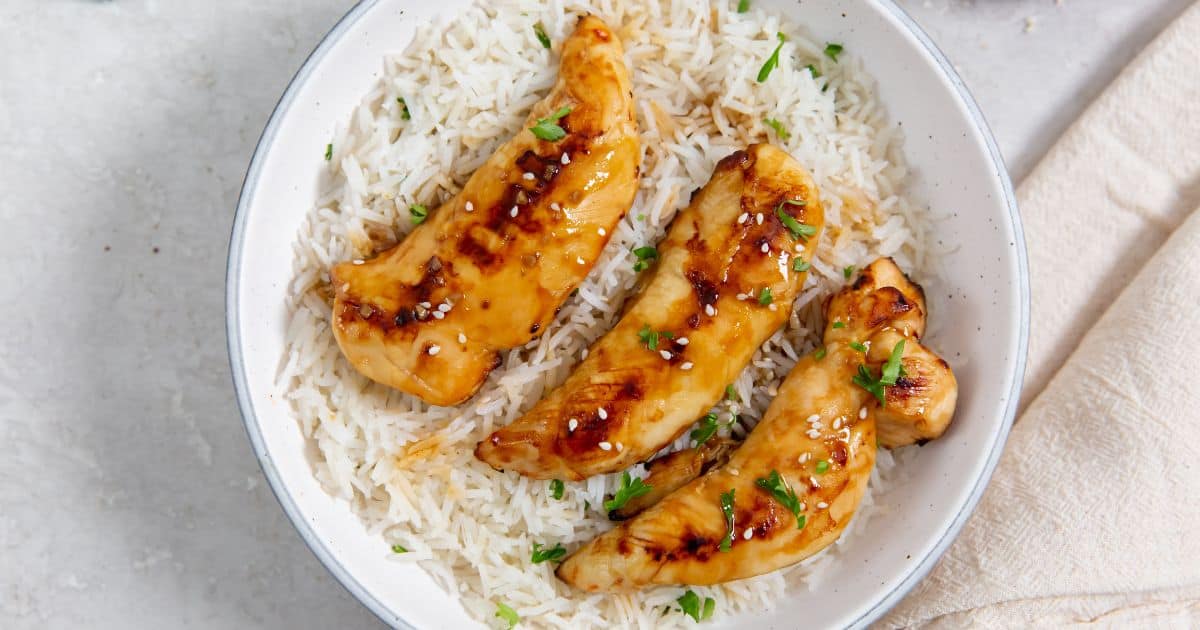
pixel 323 552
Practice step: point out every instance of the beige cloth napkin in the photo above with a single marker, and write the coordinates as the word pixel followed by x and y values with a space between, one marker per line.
pixel 1093 516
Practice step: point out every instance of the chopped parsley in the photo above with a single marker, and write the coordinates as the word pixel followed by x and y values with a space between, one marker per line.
pixel 780 130
pixel 541 555
pixel 839 324
pixel 329 152
pixel 731 393
pixel 399 549
pixel 832 50
pixel 418 213
pixel 548 129
pixel 892 370
pixel 692 606
pixel 799 230
pixel 858 346
pixel 727 510
pixel 782 493
pixel 404 113
pixel 540 31
pixel 848 271
pixel 707 429
pixel 507 614
pixel 798 265
pixel 820 353
pixel 556 488
pixel 645 256
pixel 816 74
pixel 765 297
pixel 630 487
pixel 650 338
pixel 743 6
pixel 773 60
pixel 822 466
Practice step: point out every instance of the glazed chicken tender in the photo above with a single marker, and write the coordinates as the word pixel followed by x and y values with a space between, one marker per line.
pixel 489 269
pixel 729 269
pixel 792 487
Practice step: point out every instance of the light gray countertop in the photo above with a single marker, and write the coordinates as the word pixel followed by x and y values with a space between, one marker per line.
pixel 128 492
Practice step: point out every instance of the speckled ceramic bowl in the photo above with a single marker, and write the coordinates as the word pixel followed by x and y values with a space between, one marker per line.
pixel 984 327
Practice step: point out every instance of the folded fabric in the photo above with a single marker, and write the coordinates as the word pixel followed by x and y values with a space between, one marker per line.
pixel 1109 193
pixel 1089 518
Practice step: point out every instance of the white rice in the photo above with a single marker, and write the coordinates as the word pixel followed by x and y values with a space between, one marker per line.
pixel 405 467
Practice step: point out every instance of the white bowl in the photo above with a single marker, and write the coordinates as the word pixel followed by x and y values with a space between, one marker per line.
pixel 958 169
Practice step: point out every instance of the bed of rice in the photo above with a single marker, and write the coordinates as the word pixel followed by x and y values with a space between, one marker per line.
pixel 407 468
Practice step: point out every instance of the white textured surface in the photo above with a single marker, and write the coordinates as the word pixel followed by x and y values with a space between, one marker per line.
pixel 128 494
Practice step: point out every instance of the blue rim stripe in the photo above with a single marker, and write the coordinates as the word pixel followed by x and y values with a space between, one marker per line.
pixel 318 546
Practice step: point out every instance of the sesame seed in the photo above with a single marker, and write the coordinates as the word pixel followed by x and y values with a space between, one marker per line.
pixel 766 248
pixel 438 315
pixel 748 534
pixel 837 424
pixel 742 296
pixel 620 447
pixel 444 307
pixel 686 365
pixel 603 413
pixel 735 472
pixel 772 307
pixel 529 176
pixel 817 426
pixel 742 219
pixel 462 338
pixel 579 259
pixel 813 481
pixel 470 207
pixel 814 434
pixel 433 350
pixel 359 262
pixel 804 457
pixel 664 354
pixel 605 446
pixel 513 212
pixel 822 505
pixel 709 310
pixel 566 159
pixel 803 506
pixel 583 355
pixel 862 413
pixel 426 304
pixel 816 417
pixel 683 341
pixel 772 391
pixel 572 424
pixel 799 247
pixel 346 287
pixel 759 218
pixel 601 231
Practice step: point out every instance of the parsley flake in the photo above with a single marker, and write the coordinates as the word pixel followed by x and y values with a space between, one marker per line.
pixel 548 129
pixel 418 213
pixel 540 31
pixel 765 297
pixel 507 614
pixel 832 50
pixel 773 60
pixel 692 606
pixel 816 74
pixel 780 130
pixel 630 487
pixel 822 466
pixel 399 549
pixel 541 555
pixel 783 493
pixel 329 152
pixel 820 353
pixel 839 324
pixel 731 393
pixel 727 509
pixel 556 488
pixel 893 369
pixel 865 380
pixel 404 113
pixel 800 231
pixel 645 257
pixel 743 6
pixel 858 346
pixel 848 271
pixel 707 429
pixel 798 265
